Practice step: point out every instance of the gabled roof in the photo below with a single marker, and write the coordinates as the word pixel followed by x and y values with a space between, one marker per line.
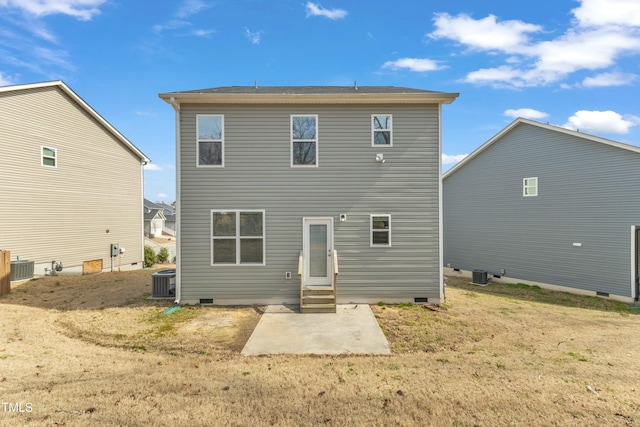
pixel 309 95
pixel 150 214
pixel 93 113
pixel 520 121
pixel 150 205
pixel 167 208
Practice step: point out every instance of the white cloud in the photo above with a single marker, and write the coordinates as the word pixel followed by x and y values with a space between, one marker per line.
pixel 191 7
pixel 81 9
pixel 162 196
pixel 254 37
pixel 186 9
pixel 601 122
pixel 25 41
pixel 609 79
pixel 505 74
pixel 483 34
pixel 152 167
pixel 600 34
pixel 174 24
pixel 608 12
pixel 413 64
pixel 315 9
pixel 202 33
pixel 526 113
pixel 448 159
pixel 28 55
pixel 6 80
pixel 590 50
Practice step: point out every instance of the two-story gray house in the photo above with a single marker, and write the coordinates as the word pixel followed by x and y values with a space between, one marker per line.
pixel 294 194
pixel 547 206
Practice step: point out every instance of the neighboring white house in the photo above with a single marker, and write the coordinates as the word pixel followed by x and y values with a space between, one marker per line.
pixel 547 206
pixel 296 194
pixel 154 219
pixel 70 183
pixel 169 212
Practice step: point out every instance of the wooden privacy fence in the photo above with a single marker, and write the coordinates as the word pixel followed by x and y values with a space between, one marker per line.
pixel 5 272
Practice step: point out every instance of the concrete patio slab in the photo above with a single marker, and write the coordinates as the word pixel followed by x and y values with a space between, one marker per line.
pixel 353 329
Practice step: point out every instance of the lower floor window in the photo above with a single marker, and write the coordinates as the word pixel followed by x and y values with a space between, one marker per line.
pixel 237 237
pixel 381 230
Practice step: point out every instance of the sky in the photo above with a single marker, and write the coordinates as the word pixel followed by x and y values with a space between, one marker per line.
pixel 570 63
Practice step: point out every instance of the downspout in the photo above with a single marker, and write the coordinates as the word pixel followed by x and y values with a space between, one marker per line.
pixel 176 107
pixel 440 210
pixel 637 278
pixel 142 165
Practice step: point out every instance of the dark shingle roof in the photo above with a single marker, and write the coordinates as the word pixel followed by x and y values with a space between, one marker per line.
pixel 151 214
pixel 308 90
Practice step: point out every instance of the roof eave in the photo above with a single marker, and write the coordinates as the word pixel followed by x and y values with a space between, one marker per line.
pixel 361 98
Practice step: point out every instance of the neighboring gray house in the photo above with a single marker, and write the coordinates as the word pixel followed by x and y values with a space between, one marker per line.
pixel 70 183
pixel 276 183
pixel 547 206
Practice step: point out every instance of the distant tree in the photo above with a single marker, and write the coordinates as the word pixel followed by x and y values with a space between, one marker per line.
pixel 163 255
pixel 150 257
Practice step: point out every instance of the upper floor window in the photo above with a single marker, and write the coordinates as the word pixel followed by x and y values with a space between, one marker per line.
pixel 530 187
pixel 381 230
pixel 381 129
pixel 304 140
pixel 237 237
pixel 49 157
pixel 210 140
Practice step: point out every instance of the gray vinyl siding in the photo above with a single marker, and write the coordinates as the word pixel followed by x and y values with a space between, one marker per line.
pixel 587 193
pixel 257 175
pixel 64 213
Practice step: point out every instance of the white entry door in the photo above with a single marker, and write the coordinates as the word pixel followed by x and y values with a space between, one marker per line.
pixel 317 249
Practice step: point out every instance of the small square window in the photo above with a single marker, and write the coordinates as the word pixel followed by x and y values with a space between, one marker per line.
pixel 49 157
pixel 530 187
pixel 381 230
pixel 381 130
pixel 210 140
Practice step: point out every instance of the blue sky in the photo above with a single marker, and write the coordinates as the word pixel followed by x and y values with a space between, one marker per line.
pixel 572 63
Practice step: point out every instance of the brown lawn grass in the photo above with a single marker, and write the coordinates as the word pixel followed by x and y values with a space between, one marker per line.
pixel 93 350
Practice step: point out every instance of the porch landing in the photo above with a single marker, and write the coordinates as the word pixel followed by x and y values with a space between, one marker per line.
pixel 352 329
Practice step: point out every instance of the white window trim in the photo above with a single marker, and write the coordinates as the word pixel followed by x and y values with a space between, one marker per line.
pixel 373 131
pixel 42 156
pixel 371 230
pixel 316 140
pixel 527 185
pixel 198 140
pixel 238 238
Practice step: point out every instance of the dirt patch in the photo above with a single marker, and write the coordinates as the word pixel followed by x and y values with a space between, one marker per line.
pixel 113 310
pixel 89 292
pixel 163 240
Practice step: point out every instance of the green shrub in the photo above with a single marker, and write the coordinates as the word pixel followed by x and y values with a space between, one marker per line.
pixel 150 257
pixel 163 256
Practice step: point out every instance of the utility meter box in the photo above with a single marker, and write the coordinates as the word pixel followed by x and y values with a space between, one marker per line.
pixel 115 249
